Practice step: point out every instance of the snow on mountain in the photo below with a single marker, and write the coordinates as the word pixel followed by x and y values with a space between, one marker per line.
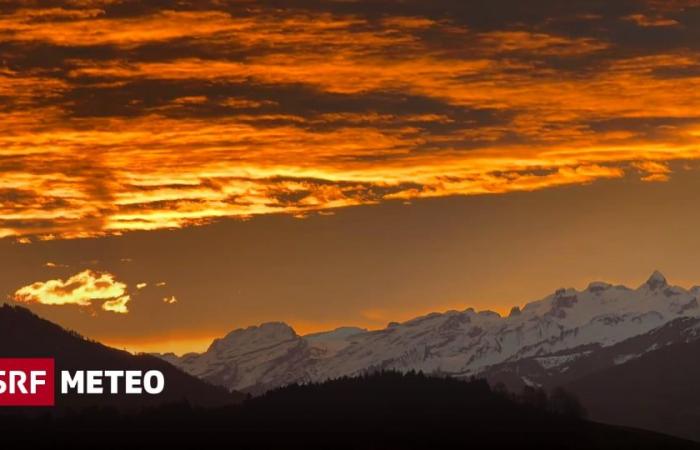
pixel 330 342
pixel 246 358
pixel 556 330
pixel 339 334
pixel 567 365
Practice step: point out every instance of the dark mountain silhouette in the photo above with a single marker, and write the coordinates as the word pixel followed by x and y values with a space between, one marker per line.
pixel 380 411
pixel 591 358
pixel 658 391
pixel 25 335
pixel 650 381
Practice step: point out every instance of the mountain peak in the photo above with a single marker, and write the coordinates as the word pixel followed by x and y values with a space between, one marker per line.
pixel 656 280
pixel 338 334
pixel 598 286
pixel 268 333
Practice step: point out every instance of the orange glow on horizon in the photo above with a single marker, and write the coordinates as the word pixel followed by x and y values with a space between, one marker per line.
pixel 180 344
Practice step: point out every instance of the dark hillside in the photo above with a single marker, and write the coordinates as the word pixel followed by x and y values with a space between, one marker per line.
pixel 25 335
pixel 659 391
pixel 382 411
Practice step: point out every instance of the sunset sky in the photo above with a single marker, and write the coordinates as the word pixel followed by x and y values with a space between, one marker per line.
pixel 172 170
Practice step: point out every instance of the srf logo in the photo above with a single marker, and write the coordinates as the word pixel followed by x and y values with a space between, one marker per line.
pixel 27 382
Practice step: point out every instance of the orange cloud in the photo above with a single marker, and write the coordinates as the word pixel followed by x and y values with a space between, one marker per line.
pixel 75 27
pixel 544 44
pixel 54 265
pixel 653 171
pixel 653 21
pixel 128 141
pixel 83 289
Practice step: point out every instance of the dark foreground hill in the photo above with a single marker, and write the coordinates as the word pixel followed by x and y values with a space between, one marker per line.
pixel 25 335
pixel 381 411
pixel 650 381
pixel 658 391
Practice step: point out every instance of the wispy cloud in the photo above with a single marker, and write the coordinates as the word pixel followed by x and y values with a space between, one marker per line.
pixel 54 265
pixel 653 171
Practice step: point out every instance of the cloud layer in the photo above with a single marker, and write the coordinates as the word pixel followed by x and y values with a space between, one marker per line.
pixel 129 115
pixel 85 289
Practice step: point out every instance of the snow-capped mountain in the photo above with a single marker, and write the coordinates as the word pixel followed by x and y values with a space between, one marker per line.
pixel 552 334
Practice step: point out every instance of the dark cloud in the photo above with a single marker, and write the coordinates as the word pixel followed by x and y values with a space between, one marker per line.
pixel 646 127
pixel 275 105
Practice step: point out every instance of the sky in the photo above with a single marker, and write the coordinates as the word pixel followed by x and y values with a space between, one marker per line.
pixel 172 170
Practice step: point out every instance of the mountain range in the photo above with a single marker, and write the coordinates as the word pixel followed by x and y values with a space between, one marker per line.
pixel 565 339
pixel 553 334
pixel 629 355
